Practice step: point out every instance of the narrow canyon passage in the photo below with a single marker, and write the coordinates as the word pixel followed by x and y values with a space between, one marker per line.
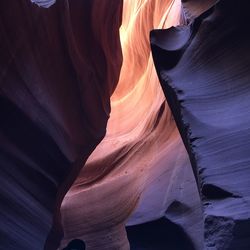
pixel 141 166
pixel 124 124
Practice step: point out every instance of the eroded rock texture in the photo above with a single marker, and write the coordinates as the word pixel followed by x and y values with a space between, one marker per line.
pixel 58 68
pixel 204 69
pixel 140 172
pixel 60 64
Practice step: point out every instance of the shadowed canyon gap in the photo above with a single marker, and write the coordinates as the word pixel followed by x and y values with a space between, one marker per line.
pixel 89 144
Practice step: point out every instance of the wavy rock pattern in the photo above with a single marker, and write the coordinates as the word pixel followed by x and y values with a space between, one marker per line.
pixel 204 71
pixel 58 68
pixel 141 169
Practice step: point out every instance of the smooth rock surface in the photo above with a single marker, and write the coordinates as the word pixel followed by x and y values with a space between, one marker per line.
pixel 58 69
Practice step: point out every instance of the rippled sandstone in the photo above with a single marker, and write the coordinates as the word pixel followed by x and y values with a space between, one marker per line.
pixel 204 72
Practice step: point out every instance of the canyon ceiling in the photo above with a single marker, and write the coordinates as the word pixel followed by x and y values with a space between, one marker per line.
pixel 125 123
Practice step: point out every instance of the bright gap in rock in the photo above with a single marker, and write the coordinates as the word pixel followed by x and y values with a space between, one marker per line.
pixel 141 166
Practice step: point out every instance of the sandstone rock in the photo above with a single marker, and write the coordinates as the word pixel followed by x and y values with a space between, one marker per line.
pixel 59 66
pixel 204 72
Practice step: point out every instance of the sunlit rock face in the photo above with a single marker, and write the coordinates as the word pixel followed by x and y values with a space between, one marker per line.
pixel 59 66
pixel 204 70
pixel 140 171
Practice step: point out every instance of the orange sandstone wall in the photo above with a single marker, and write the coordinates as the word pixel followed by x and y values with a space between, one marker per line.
pixel 141 167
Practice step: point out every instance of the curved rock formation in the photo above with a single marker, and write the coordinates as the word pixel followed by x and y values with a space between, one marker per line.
pixel 59 67
pixel 204 71
pixel 141 168
pixel 62 86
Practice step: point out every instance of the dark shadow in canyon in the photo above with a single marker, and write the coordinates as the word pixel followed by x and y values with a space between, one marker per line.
pixel 161 234
pixel 75 244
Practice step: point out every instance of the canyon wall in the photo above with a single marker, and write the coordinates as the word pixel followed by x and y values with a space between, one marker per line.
pixel 140 172
pixel 204 69
pixel 58 69
pixel 91 148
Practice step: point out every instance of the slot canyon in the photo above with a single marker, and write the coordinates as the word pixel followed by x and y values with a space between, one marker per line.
pixel 125 124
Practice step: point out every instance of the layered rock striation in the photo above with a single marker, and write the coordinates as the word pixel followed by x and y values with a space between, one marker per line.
pixel 204 70
pixel 140 172
pixel 64 90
